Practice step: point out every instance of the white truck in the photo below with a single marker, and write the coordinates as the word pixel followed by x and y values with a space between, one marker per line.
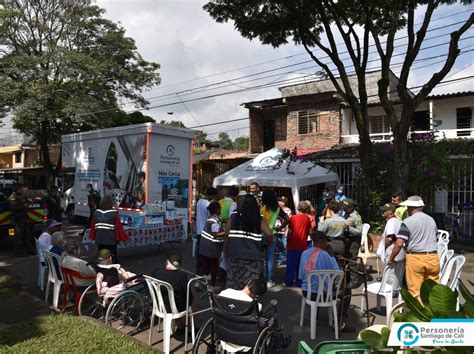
pixel 112 159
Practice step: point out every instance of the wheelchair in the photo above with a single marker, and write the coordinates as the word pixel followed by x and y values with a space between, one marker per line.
pixel 126 309
pixel 238 326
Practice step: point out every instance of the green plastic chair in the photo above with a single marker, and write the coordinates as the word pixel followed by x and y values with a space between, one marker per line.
pixel 339 347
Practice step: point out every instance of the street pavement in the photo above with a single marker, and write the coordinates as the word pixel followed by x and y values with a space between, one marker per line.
pixel 143 260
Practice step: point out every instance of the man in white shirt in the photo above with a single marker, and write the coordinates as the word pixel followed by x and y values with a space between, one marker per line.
pixel 72 262
pixel 202 214
pixel 387 243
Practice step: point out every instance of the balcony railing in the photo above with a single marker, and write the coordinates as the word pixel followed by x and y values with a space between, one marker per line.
pixel 439 134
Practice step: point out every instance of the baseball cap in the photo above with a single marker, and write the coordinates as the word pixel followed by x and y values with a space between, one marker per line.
pixel 348 203
pixel 175 259
pixel 329 195
pixel 413 201
pixel 340 189
pixel 388 206
pixel 242 193
pixel 104 254
pixel 283 199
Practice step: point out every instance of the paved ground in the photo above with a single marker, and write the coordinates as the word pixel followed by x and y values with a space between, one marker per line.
pixel 146 259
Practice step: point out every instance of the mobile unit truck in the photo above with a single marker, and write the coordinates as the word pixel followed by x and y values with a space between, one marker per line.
pixel 112 159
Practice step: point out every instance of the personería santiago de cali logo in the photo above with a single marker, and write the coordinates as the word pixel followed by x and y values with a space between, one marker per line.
pixel 170 150
pixel 408 334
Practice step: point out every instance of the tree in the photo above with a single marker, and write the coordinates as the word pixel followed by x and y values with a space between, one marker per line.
pixel 316 24
pixel 122 119
pixel 241 143
pixel 225 141
pixel 64 68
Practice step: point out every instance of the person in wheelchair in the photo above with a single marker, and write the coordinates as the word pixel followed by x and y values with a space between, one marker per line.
pixel 112 279
pixel 240 320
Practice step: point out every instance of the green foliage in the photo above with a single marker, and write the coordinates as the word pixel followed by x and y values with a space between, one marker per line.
pixel 438 301
pixel 131 119
pixel 62 333
pixel 225 142
pixel 242 143
pixel 64 69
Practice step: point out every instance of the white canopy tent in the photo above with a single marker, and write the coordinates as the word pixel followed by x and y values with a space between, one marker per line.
pixel 262 170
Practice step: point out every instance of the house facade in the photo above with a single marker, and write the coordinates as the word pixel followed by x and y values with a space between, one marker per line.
pixel 313 117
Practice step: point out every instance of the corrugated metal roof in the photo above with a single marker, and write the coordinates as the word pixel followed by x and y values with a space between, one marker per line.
pixel 450 95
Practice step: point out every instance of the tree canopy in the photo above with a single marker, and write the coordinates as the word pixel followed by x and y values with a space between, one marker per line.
pixel 361 24
pixel 64 68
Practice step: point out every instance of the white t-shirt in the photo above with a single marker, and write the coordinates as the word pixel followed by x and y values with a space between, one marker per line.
pixel 80 266
pixel 45 243
pixel 391 228
pixel 202 214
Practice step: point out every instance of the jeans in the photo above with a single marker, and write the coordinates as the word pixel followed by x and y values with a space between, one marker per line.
pixel 270 257
pixel 281 247
pixel 292 267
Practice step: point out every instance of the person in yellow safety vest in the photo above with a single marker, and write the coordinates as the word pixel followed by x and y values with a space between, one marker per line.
pixel 271 211
pixel 228 205
pixel 401 212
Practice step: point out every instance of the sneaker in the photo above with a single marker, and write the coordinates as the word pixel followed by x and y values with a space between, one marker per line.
pixel 270 284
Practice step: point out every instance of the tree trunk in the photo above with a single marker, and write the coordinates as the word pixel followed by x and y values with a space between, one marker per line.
pixel 401 169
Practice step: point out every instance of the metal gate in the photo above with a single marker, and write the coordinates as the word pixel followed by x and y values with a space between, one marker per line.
pixel 461 192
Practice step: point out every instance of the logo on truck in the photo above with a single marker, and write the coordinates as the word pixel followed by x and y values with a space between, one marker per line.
pixel 170 150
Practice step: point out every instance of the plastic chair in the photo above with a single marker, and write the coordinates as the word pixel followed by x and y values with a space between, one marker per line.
pixel 444 259
pixel 70 286
pixel 365 243
pixel 339 347
pixel 156 287
pixel 443 235
pixel 41 267
pixel 442 246
pixel 382 289
pixel 54 277
pixel 333 280
pixel 445 276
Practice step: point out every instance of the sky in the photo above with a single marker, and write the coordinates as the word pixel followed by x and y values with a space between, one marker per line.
pixel 194 52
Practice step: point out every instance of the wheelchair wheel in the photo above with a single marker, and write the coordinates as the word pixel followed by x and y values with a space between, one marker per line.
pixel 126 312
pixel 267 342
pixel 204 342
pixel 90 304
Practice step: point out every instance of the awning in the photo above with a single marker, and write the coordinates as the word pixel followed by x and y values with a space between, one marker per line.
pixel 10 149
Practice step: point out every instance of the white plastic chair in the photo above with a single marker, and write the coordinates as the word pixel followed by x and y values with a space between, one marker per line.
pixel 444 259
pixel 41 268
pixel 442 246
pixel 156 287
pixel 382 289
pixel 443 235
pixel 54 277
pixel 445 276
pixel 365 244
pixel 333 280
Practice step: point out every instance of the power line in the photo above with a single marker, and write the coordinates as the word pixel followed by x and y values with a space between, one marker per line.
pixel 286 57
pixel 187 91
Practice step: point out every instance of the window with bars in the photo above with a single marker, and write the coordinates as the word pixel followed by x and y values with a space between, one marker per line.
pixel 308 122
pixel 463 120
pixel 378 125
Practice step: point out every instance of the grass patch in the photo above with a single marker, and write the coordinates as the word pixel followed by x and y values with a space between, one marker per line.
pixel 63 333
pixel 8 288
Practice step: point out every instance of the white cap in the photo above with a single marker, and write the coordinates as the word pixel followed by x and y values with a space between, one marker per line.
pixel 413 201
pixel 243 192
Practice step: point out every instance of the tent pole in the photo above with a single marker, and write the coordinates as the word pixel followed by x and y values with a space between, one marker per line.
pixel 296 196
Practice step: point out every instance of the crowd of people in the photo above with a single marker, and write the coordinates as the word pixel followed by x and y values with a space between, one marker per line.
pixel 240 234
pixel 243 235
